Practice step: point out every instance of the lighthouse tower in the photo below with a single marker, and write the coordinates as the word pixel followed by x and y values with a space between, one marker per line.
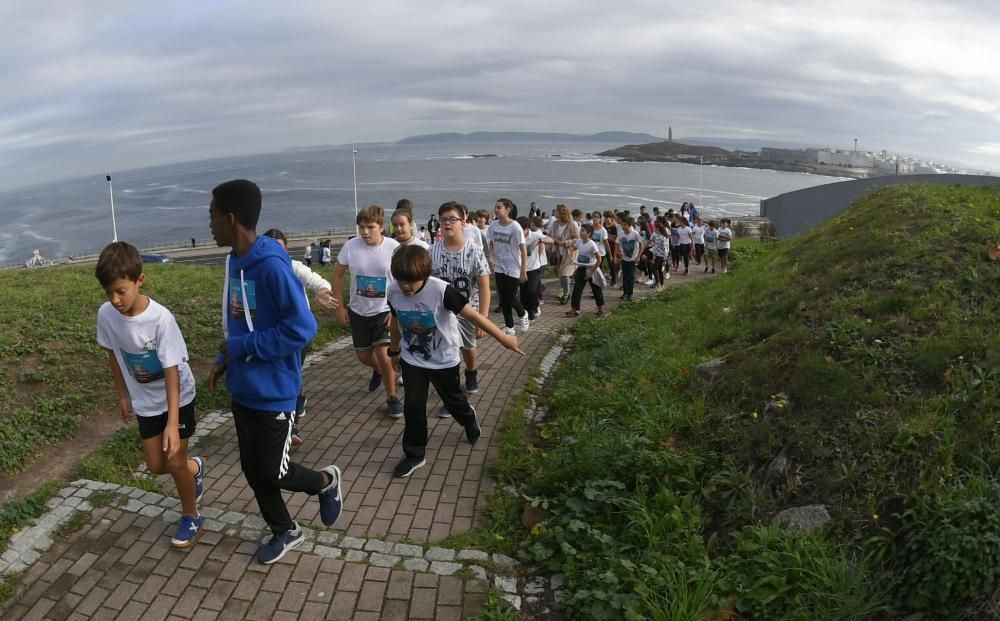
pixel 670 134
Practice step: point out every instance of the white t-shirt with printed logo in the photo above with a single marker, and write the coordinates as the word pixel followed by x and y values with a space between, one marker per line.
pixel 428 324
pixel 724 243
pixel 536 250
pixel 630 244
pixel 598 237
pixel 370 275
pixel 699 233
pixel 506 242
pixel 587 253
pixel 144 346
pixel 461 269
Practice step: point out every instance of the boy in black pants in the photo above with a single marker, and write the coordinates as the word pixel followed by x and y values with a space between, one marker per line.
pixel 266 322
pixel 631 247
pixel 425 334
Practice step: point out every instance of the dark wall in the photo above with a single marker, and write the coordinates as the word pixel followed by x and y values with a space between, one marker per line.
pixel 796 212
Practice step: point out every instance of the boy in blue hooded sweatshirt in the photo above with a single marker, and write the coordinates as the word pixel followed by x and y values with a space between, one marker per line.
pixel 266 321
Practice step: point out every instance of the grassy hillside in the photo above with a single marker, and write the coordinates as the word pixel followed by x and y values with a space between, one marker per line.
pixel 861 368
pixel 52 372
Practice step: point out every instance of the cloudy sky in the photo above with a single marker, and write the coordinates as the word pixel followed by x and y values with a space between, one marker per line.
pixel 87 87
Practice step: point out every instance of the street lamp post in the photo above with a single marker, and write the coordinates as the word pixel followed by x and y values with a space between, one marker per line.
pixel 114 225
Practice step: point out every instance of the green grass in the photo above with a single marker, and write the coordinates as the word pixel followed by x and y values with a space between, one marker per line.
pixel 116 460
pixel 53 375
pixel 880 326
pixel 16 515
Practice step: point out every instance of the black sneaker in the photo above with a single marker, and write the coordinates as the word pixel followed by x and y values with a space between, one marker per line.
pixel 394 407
pixel 472 382
pixel 472 430
pixel 375 381
pixel 406 467
pixel 300 406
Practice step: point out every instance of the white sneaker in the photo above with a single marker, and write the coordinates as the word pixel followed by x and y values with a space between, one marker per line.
pixel 725 271
pixel 667 276
pixel 399 379
pixel 507 330
pixel 538 313
pixel 525 322
pixel 649 281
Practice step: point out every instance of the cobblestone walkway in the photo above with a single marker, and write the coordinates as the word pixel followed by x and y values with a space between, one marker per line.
pixel 379 562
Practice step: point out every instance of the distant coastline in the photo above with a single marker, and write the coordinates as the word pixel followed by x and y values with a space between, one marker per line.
pixel 671 151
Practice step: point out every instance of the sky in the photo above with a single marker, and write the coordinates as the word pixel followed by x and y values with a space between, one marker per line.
pixel 104 85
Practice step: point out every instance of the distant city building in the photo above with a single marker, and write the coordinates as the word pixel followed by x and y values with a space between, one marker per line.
pixel 799 156
pixel 849 159
pixel 670 134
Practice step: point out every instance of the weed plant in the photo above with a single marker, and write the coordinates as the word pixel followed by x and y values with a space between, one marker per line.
pixel 880 327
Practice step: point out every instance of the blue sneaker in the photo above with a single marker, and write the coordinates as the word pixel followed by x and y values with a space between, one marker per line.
pixel 296 437
pixel 472 430
pixel 278 545
pixel 199 479
pixel 300 406
pixel 394 407
pixel 375 381
pixel 188 532
pixel 331 503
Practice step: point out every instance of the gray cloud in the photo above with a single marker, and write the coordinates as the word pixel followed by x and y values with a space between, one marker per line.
pixel 90 87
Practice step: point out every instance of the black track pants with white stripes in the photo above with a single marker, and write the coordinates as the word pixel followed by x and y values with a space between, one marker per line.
pixel 265 439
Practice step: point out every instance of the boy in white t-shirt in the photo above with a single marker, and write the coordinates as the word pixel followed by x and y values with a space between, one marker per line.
pixel 368 256
pixel 630 248
pixel 142 339
pixel 588 269
pixel 699 238
pixel 425 349
pixel 461 262
pixel 723 241
pixel 711 248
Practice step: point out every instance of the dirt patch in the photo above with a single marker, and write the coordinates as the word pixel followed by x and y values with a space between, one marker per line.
pixel 58 461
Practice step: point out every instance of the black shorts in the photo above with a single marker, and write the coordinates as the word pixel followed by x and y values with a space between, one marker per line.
pixel 723 252
pixel 152 426
pixel 368 332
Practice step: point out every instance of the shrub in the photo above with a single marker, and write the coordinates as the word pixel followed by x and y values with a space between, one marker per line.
pixel 947 548
pixel 777 574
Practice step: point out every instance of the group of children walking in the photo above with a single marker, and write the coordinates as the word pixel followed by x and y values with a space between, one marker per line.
pixel 415 313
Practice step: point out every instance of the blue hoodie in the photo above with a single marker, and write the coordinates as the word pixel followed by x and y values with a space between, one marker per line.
pixel 266 321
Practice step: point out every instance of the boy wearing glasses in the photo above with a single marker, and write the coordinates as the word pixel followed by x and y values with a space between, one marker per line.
pixel 461 262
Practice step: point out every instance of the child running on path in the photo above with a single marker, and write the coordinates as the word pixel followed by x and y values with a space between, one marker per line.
pixel 461 262
pixel 425 334
pixel 630 247
pixel 659 243
pixel 310 280
pixel 711 235
pixel 722 242
pixel 368 256
pixel 588 269
pixel 142 337
pixel 510 263
pixel 266 323
pixel 535 243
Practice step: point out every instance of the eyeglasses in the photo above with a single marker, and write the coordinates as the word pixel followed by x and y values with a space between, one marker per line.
pixel 450 220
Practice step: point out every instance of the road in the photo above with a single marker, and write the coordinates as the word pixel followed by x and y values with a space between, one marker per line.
pixel 218 257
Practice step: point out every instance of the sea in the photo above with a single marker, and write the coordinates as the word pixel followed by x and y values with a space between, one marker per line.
pixel 313 190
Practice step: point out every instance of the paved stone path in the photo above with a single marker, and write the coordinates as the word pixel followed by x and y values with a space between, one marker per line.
pixel 379 562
